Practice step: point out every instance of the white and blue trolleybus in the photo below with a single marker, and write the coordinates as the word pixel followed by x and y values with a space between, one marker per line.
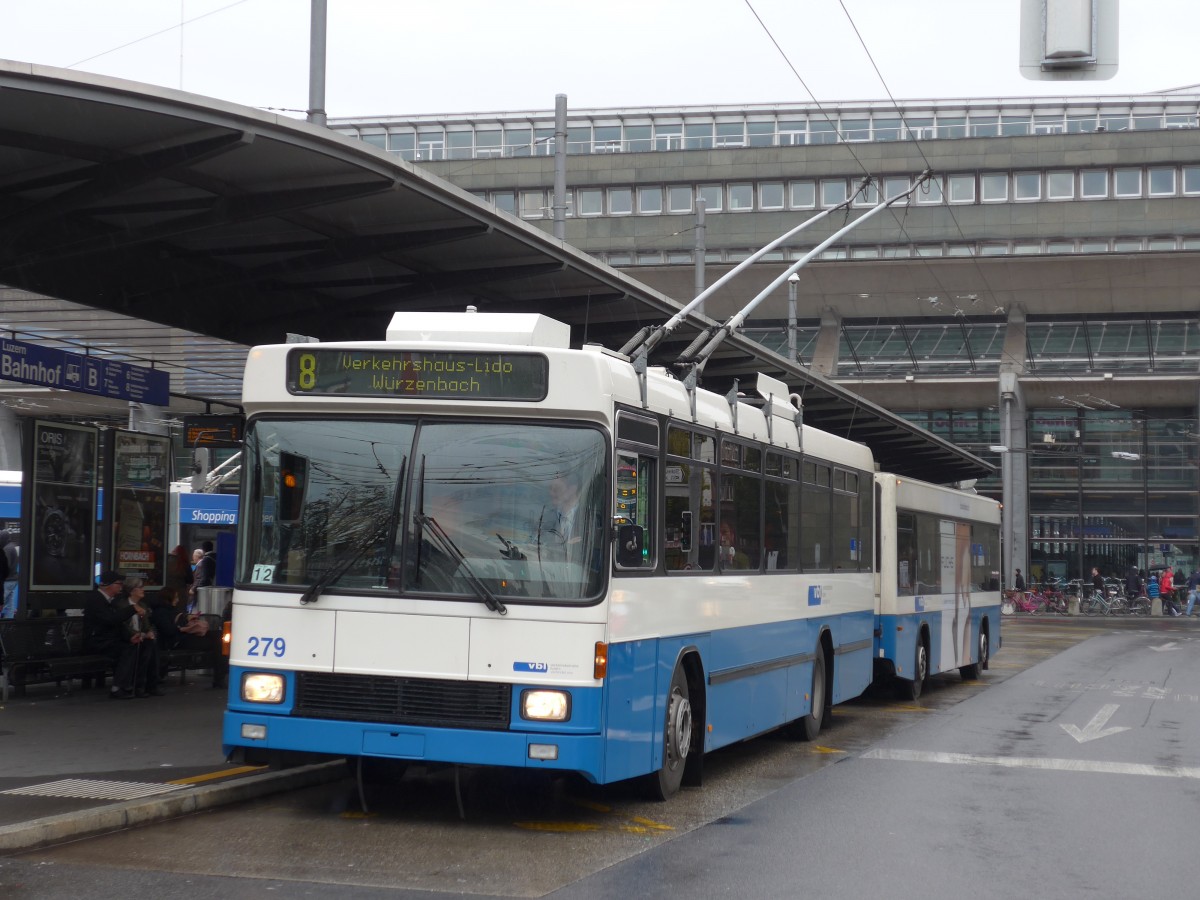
pixel 472 544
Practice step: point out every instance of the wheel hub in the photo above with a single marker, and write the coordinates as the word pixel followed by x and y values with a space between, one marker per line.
pixel 679 727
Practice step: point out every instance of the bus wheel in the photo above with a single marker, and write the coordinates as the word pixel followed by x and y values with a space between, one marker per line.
pixel 677 740
pixel 910 689
pixel 806 728
pixel 971 672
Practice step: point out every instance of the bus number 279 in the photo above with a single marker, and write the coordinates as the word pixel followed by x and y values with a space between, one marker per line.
pixel 266 646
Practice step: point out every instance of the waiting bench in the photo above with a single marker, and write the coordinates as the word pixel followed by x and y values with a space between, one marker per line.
pixel 37 651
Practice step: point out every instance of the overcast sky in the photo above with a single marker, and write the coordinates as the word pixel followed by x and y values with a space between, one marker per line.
pixel 404 56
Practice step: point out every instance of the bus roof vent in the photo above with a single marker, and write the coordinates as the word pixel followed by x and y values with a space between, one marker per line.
pixel 519 329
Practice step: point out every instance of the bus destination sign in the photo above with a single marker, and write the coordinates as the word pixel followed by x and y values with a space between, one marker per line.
pixel 421 374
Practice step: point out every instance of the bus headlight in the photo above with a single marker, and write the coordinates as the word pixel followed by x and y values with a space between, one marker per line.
pixel 546 706
pixel 262 687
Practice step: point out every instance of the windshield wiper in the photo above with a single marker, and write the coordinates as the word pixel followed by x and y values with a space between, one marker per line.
pixel 383 531
pixel 447 546
pixel 331 575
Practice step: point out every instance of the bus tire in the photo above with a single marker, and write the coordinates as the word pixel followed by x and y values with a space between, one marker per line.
pixel 677 739
pixel 972 671
pixel 910 688
pixel 806 728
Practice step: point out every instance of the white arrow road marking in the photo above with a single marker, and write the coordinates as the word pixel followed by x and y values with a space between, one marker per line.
pixel 1169 646
pixel 1095 729
pixel 1019 762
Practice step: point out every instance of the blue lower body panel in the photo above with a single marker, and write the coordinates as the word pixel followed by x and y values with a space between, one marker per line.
pixel 578 742
pixel 953 643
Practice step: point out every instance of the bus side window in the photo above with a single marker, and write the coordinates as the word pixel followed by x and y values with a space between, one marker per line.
pixel 634 503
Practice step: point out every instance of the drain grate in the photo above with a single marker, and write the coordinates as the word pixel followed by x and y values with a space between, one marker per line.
pixel 87 789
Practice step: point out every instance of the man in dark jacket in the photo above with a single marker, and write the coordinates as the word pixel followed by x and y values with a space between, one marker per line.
pixel 105 631
pixel 1133 583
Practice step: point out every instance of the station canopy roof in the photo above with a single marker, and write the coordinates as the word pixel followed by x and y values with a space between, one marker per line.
pixel 229 227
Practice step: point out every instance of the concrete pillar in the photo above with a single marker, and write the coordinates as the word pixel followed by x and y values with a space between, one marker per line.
pixel 829 343
pixel 1014 465
pixel 10 440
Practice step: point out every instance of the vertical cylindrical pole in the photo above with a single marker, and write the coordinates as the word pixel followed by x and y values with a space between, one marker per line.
pixel 316 64
pixel 792 279
pixel 698 252
pixel 1007 526
pixel 560 166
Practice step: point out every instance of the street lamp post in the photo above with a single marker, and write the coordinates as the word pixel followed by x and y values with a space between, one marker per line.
pixel 793 279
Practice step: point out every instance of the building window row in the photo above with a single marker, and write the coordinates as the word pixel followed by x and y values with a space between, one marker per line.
pixel 1054 185
pixel 905 251
pixel 434 141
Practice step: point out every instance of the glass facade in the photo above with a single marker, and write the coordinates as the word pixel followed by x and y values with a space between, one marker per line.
pixel 1086 507
pixel 1116 488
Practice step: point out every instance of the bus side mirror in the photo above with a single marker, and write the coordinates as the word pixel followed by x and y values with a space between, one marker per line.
pixel 630 543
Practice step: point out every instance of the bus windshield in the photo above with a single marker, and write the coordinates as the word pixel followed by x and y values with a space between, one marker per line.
pixel 459 509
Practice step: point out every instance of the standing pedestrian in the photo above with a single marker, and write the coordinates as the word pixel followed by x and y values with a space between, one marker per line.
pixel 1019 582
pixel 1166 587
pixel 179 572
pixel 1193 588
pixel 1133 583
pixel 9 560
pixel 205 573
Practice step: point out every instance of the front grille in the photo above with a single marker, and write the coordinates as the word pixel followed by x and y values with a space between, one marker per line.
pixel 403 701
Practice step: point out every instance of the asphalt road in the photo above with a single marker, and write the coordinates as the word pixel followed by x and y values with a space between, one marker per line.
pixel 1071 770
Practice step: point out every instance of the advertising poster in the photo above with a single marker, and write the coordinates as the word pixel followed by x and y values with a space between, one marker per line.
pixel 141 482
pixel 63 539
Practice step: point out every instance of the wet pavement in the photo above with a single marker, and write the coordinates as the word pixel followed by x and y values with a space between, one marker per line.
pixel 74 762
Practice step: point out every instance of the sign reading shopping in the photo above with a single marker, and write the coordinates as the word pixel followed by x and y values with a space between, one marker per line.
pixel 48 367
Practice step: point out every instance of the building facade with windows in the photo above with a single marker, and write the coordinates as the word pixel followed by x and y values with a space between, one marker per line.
pixel 1039 292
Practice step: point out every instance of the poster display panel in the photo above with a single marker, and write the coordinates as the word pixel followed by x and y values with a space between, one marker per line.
pixel 140 485
pixel 65 478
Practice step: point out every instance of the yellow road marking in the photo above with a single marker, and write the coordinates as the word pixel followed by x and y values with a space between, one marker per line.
pixel 558 826
pixel 634 825
pixel 212 776
pixel 819 749
pixel 651 824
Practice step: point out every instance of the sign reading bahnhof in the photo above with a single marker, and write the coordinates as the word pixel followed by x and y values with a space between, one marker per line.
pixel 419 374
pixel 49 367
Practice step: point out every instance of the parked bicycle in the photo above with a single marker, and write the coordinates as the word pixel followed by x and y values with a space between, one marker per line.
pixel 1101 603
pixel 1054 596
pixel 1022 602
pixel 1138 606
pixel 1114 602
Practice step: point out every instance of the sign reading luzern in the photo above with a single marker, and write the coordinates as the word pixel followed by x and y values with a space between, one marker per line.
pixel 420 374
pixel 50 367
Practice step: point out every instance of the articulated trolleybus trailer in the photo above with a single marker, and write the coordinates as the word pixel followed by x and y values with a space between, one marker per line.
pixel 471 544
